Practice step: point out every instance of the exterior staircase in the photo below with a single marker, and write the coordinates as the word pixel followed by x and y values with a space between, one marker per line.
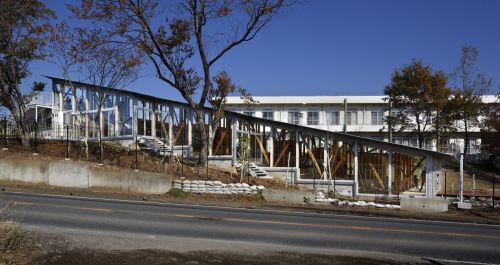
pixel 155 145
pixel 254 170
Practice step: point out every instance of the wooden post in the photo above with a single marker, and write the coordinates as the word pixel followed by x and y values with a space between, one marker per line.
pixel 325 157
pixel 210 135
pixel 271 148
pixel 234 139
pixel 153 120
pixel 345 115
pixel 171 129
pixel 117 121
pixel 61 100
pixel 356 169
pixel 87 122
pixel 389 172
pixel 428 177
pixel 189 131
pixel 297 154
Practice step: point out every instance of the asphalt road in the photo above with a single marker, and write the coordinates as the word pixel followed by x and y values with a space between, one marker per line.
pixel 444 242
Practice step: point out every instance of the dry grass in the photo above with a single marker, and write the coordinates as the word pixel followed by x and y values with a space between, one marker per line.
pixel 16 245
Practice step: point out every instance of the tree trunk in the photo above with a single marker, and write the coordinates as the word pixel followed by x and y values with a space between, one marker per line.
pixel 419 135
pixel 100 145
pixel 24 136
pixel 86 148
pixel 99 135
pixel 200 119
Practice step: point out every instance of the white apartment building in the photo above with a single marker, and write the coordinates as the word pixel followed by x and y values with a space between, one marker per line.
pixel 361 115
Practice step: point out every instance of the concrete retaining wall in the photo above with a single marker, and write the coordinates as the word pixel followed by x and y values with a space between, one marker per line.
pixel 69 174
pixel 34 171
pixel 423 205
pixel 72 174
pixel 289 196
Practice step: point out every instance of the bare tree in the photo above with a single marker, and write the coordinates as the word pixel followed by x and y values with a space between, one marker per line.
pixel 97 61
pixel 206 28
pixel 22 27
pixel 62 50
pixel 107 67
pixel 470 87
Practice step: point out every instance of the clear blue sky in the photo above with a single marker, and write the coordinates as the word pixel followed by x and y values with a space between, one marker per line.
pixel 348 47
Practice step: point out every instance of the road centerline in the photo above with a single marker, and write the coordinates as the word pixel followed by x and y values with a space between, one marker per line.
pixel 358 228
pixel 96 209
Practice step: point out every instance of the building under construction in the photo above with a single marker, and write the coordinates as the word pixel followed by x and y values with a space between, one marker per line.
pixel 351 164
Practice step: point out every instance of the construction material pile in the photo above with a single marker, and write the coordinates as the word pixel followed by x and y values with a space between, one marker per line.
pixel 202 186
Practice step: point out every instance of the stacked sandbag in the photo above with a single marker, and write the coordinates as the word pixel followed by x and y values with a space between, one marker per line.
pixel 365 204
pixel 177 184
pixel 217 187
pixel 320 197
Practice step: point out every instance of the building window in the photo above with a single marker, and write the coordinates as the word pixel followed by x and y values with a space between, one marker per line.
pixel 352 117
pixel 332 118
pixel 249 113
pixel 312 117
pixel 377 118
pixel 294 117
pixel 268 114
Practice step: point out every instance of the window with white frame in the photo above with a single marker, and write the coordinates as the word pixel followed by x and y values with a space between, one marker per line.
pixel 294 117
pixel 377 117
pixel 249 113
pixel 268 114
pixel 332 118
pixel 313 117
pixel 352 117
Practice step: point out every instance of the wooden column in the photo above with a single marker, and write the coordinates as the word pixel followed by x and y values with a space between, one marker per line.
pixel 429 194
pixel 234 139
pixel 135 123
pixel 210 135
pixel 87 122
pixel 389 172
pixel 356 168
pixel 153 119
pixel 189 131
pixel 325 157
pixel 61 100
pixel 117 120
pixel 271 147
pixel 171 128
pixel 297 154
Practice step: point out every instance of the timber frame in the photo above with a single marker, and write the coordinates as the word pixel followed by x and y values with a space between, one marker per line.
pixel 307 156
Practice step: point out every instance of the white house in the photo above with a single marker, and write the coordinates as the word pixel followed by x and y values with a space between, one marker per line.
pixel 361 115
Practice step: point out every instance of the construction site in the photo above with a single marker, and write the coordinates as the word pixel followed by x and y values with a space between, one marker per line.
pixel 243 147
